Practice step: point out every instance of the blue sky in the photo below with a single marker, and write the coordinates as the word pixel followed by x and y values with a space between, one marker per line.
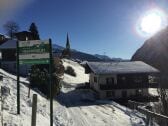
pixel 94 26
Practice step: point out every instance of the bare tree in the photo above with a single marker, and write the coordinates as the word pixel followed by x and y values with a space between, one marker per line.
pixel 11 27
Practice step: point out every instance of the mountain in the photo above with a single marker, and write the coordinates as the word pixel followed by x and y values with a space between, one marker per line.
pixel 154 52
pixel 57 47
pixel 77 55
pixel 107 58
pixel 82 56
pixel 103 57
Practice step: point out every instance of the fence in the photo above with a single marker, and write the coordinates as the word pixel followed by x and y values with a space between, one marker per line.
pixel 147 110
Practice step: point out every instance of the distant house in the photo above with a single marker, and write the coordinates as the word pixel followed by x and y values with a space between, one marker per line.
pixel 25 35
pixel 3 38
pixel 122 80
pixel 8 53
pixel 8 58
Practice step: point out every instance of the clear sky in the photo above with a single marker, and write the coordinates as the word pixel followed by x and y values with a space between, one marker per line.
pixel 94 26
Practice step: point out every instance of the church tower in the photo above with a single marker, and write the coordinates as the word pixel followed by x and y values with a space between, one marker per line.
pixel 67 43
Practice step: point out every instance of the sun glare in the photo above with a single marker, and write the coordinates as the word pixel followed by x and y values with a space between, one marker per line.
pixel 151 22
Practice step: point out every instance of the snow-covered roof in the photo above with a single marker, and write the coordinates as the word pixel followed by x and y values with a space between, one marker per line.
pixel 9 44
pixel 5 35
pixel 121 67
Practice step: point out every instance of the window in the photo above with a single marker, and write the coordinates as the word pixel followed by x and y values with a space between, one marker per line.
pixel 152 79
pixel 124 94
pixel 110 80
pixel 110 93
pixel 138 79
pixel 95 79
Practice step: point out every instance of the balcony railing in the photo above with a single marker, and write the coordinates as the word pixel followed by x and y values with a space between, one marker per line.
pixel 127 86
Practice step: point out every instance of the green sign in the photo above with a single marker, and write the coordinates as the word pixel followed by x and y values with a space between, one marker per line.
pixel 42 48
pixel 32 61
pixel 34 52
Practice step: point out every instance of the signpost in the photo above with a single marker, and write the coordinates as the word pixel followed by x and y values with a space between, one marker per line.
pixel 35 52
pixel 51 85
pixel 18 79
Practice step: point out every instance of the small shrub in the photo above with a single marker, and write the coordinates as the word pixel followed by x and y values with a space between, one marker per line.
pixel 69 70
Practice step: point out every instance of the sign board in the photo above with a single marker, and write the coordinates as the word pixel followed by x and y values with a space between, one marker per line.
pixel 34 52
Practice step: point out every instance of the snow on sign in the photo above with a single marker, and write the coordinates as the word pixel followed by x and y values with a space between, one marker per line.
pixel 34 52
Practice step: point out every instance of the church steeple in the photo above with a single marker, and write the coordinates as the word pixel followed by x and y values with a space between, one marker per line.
pixel 66 53
pixel 67 43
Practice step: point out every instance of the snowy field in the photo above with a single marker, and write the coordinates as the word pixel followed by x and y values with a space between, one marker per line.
pixel 71 108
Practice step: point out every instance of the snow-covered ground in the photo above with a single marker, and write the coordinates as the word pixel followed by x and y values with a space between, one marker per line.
pixel 81 77
pixel 10 116
pixel 71 108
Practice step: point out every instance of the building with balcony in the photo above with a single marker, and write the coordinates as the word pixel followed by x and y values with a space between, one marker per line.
pixel 8 52
pixel 122 80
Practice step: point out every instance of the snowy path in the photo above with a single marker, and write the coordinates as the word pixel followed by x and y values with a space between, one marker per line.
pixel 96 113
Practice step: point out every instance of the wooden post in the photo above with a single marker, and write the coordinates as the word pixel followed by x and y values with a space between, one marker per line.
pixel 51 85
pixel 18 85
pixel 1 80
pixel 1 108
pixel 29 91
pixel 34 109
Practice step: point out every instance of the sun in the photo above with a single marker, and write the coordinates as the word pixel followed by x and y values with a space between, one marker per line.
pixel 151 22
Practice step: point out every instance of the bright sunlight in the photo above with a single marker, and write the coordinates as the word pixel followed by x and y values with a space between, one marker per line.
pixel 151 22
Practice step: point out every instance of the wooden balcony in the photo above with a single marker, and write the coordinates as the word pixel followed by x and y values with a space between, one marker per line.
pixel 127 86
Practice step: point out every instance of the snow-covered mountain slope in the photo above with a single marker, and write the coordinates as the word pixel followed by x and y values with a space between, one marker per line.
pixel 73 107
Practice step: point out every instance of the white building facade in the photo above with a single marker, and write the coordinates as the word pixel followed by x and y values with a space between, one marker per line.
pixel 121 80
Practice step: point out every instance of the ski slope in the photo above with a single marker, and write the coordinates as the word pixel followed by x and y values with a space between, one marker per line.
pixel 71 108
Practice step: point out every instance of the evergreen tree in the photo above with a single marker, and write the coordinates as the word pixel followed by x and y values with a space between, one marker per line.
pixel 39 77
pixel 34 30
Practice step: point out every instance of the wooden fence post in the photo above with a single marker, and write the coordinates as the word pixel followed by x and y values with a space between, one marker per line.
pixel 34 109
pixel 28 91
pixel 1 108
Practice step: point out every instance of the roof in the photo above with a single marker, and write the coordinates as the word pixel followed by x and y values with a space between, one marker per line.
pixel 24 32
pixel 4 35
pixel 9 44
pixel 121 67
